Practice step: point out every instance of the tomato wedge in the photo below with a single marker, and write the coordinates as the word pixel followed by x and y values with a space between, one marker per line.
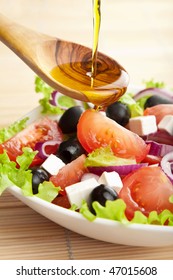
pixel 159 111
pixel 70 174
pixel 146 189
pixel 41 130
pixel 95 130
pixel 150 159
pixel 62 200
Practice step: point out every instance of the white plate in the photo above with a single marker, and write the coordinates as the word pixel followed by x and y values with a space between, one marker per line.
pixel 101 229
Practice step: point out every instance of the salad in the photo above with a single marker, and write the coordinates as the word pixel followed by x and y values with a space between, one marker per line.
pixel 115 164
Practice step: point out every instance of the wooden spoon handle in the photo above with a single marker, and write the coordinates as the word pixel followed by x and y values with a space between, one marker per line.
pixel 21 40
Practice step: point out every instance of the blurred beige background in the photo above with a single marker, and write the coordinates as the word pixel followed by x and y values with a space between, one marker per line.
pixel 138 34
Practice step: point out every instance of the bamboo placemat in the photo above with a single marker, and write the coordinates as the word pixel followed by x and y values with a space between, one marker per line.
pixel 25 234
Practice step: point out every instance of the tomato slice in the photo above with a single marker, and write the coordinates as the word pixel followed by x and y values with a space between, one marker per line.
pixel 146 189
pixel 96 130
pixel 70 174
pixel 41 130
pixel 159 111
pixel 62 200
pixel 150 159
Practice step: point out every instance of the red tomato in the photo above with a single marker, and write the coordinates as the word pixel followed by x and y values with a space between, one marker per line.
pixel 62 200
pixel 70 174
pixel 40 131
pixel 159 111
pixel 95 130
pixel 146 189
pixel 150 159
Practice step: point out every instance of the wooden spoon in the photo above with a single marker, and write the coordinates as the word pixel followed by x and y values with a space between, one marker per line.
pixel 64 65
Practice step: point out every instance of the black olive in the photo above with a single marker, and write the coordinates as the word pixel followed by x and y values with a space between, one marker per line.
pixel 69 120
pixel 70 150
pixel 39 175
pixel 156 100
pixel 118 112
pixel 101 193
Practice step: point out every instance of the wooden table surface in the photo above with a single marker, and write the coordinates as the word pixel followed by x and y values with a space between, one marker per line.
pixel 138 34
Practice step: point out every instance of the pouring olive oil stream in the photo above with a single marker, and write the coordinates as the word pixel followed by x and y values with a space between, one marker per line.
pixel 74 70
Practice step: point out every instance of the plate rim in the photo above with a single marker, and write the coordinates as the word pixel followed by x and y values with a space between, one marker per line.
pixel 16 190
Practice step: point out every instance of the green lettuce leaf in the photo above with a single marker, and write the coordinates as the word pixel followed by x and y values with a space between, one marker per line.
pixel 133 106
pixel 137 107
pixel 46 90
pixel 141 102
pixel 152 83
pixel 104 157
pixel 21 176
pixel 115 210
pixel 153 218
pixel 41 86
pixel 47 191
pixel 66 101
pixel 26 158
pixel 84 210
pixel 5 168
pixel 139 218
pixel 164 216
pixel 11 175
pixel 171 199
pixel 63 101
pixel 8 132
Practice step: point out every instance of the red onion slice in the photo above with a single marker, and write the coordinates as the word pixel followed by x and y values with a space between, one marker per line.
pixel 154 91
pixel 161 136
pixel 54 96
pixel 50 145
pixel 158 149
pixel 56 100
pixel 122 170
pixel 166 165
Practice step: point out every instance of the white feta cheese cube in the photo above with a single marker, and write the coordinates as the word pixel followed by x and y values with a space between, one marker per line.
pixel 111 179
pixel 166 124
pixel 80 191
pixel 143 125
pixel 53 164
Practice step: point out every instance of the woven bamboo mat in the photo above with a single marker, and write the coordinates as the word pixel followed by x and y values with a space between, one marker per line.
pixel 25 234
